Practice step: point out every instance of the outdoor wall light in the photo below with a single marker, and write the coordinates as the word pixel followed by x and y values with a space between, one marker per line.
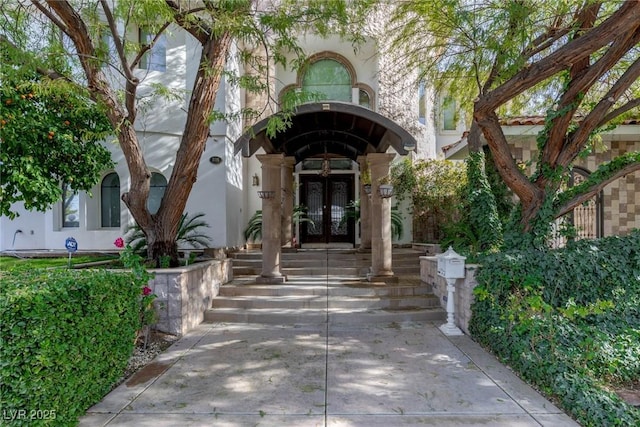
pixel 409 145
pixel 266 194
pixel 216 160
pixel 255 180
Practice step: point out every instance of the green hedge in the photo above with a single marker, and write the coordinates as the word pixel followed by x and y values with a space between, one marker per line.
pixel 66 337
pixel 568 321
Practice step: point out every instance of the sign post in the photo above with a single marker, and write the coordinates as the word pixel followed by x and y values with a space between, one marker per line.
pixel 72 245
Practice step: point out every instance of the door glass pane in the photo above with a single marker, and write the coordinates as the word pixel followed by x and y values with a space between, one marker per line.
pixel 339 200
pixel 315 201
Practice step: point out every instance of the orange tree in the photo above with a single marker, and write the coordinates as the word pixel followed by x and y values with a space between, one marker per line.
pixel 49 135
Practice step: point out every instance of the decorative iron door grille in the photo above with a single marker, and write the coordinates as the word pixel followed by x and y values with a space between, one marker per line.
pixel 326 200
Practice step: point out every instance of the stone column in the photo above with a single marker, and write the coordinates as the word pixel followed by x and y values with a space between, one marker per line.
pixel 381 244
pixel 271 222
pixel 365 210
pixel 287 202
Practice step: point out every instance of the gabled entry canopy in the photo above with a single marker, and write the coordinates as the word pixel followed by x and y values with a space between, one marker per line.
pixel 337 128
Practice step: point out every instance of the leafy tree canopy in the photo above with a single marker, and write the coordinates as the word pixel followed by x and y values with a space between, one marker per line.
pixel 50 134
pixel 576 63
pixel 97 45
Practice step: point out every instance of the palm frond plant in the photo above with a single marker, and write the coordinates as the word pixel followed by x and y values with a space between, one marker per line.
pixel 397 227
pixel 189 234
pixel 352 211
pixel 253 232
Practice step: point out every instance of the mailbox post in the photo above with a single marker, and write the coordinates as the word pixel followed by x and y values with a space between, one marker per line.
pixel 451 267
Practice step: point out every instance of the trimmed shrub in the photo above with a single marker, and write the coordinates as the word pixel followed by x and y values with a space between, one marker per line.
pixel 66 338
pixel 568 321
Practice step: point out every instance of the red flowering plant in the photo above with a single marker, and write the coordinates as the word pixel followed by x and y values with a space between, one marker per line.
pixel 135 262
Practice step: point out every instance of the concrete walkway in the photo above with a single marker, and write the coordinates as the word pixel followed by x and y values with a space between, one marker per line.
pixel 327 374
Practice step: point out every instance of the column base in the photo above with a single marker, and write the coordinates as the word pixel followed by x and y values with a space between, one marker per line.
pixel 362 250
pixel 450 330
pixel 271 279
pixel 387 279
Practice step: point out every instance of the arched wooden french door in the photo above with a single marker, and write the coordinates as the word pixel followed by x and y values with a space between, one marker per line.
pixel 326 200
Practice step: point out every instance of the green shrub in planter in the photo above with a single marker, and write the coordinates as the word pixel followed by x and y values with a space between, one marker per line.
pixel 66 337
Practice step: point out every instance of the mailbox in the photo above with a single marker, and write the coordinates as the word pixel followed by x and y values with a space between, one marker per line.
pixel 450 264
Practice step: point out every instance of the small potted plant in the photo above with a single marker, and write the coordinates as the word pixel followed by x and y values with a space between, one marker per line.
pixel 385 188
pixel 365 178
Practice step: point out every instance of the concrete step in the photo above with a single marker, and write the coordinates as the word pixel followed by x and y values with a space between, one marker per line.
pixel 325 286
pixel 312 290
pixel 323 271
pixel 316 316
pixel 299 302
pixel 323 255
pixel 323 262
pixel 318 299
pixel 314 262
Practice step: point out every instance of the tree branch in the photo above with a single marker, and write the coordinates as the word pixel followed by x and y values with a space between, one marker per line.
pixel 568 205
pixel 620 22
pixel 52 17
pixel 201 31
pixel 634 103
pixel 116 40
pixel 49 73
pixel 591 121
pixel 516 180
pixel 582 77
pixel 560 149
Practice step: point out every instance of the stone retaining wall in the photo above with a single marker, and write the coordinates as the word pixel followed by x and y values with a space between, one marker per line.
pixel 464 289
pixel 185 293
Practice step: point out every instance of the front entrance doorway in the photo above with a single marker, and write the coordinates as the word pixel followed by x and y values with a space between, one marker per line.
pixel 326 199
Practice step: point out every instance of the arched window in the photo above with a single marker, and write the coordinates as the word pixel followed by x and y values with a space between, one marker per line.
pixel 449 119
pixel 364 99
pixel 110 200
pixel 70 207
pixel 156 192
pixel 328 78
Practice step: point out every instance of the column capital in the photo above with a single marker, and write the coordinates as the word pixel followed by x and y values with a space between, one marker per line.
pixel 289 161
pixel 380 158
pixel 273 160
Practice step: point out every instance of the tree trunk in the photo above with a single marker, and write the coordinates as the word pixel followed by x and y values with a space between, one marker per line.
pixel 160 229
pixel 165 223
pixel 161 244
pixel 474 141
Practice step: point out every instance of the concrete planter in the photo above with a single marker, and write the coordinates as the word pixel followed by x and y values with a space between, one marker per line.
pixel 463 294
pixel 185 293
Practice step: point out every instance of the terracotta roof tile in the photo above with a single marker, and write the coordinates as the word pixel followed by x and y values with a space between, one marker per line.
pixel 539 120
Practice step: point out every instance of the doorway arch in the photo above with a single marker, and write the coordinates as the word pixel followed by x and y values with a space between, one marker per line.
pixel 326 130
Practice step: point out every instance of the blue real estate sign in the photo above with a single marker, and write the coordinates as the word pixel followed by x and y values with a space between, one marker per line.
pixel 71 245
